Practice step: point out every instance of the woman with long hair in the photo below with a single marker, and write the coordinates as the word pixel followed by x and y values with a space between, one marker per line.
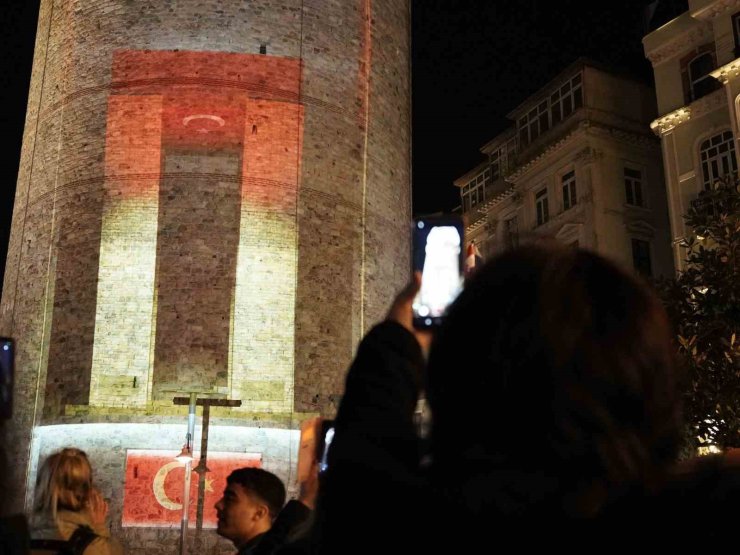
pixel 68 507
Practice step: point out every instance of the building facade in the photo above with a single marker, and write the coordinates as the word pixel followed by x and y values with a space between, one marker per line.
pixel 212 199
pixel 696 63
pixel 579 165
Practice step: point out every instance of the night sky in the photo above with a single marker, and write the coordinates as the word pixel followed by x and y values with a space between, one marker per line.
pixel 473 62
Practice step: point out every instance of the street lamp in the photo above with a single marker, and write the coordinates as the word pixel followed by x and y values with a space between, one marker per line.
pixel 186 455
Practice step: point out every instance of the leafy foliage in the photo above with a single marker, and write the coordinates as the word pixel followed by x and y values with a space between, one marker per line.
pixel 704 303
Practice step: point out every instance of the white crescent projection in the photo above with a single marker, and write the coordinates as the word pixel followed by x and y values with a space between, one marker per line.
pixel 220 121
pixel 158 487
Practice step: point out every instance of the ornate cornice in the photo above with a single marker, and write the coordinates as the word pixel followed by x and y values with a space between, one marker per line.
pixel 670 121
pixel 727 71
pixel 478 222
pixel 480 214
pixel 551 148
pixel 709 103
pixel 586 155
pixel 716 8
pixel 682 43
pixel 696 109
pixel 498 199
pixel 629 137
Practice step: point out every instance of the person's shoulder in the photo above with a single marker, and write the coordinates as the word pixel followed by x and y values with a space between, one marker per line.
pixel 104 545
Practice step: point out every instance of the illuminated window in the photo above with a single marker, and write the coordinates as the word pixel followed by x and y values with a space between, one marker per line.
pixel 541 205
pixel 566 100
pixel 558 106
pixel 502 159
pixel 633 187
pixel 474 191
pixel 717 158
pixel 641 257
pixel 569 190
pixel 534 123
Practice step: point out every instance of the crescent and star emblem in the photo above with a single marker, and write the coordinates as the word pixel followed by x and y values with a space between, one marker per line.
pixel 200 117
pixel 158 486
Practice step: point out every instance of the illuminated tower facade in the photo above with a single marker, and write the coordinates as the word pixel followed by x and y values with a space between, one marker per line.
pixel 212 198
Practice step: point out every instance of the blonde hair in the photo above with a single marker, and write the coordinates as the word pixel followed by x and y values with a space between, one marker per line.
pixel 64 481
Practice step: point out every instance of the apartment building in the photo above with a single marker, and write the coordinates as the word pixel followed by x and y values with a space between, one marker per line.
pixel 580 165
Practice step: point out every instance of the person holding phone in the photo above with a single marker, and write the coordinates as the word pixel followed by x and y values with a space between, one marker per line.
pixel 555 406
pixel 437 254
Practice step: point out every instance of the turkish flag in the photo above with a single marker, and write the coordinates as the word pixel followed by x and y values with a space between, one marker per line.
pixel 153 489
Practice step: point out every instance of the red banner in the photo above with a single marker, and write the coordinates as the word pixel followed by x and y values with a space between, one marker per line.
pixel 155 483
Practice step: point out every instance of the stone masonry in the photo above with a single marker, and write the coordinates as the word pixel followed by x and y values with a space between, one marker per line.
pixel 214 197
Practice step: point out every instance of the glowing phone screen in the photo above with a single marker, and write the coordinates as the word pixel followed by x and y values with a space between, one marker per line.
pixel 437 254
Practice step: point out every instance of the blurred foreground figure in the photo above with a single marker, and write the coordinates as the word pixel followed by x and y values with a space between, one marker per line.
pixel 67 508
pixel 556 421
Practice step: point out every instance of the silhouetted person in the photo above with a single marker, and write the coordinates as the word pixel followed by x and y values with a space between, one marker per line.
pixel 556 420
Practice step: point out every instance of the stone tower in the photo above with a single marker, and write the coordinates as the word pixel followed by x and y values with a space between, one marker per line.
pixel 213 197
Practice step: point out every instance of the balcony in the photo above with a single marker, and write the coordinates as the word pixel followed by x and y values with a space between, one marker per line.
pixel 493 193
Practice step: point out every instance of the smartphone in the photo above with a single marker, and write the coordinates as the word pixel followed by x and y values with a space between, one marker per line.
pixel 326 435
pixel 316 437
pixel 7 356
pixel 437 244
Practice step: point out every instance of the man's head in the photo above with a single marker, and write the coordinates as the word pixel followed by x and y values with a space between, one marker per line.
pixel 252 499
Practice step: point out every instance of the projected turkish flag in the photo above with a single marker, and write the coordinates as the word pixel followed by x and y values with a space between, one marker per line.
pixel 154 485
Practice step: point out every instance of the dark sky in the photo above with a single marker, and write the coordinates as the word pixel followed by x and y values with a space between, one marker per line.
pixel 476 60
pixel 473 62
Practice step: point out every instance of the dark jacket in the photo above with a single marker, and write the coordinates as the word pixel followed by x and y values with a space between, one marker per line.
pixel 374 488
pixel 67 522
pixel 377 498
pixel 287 523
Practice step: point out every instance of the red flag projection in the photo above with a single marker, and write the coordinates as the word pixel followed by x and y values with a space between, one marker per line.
pixel 202 149
pixel 154 486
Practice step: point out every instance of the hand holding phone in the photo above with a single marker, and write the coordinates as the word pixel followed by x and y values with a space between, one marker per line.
pixel 437 253
pixel 326 436
pixel 402 313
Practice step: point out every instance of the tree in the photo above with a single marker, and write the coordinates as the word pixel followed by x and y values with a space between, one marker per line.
pixel 703 302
